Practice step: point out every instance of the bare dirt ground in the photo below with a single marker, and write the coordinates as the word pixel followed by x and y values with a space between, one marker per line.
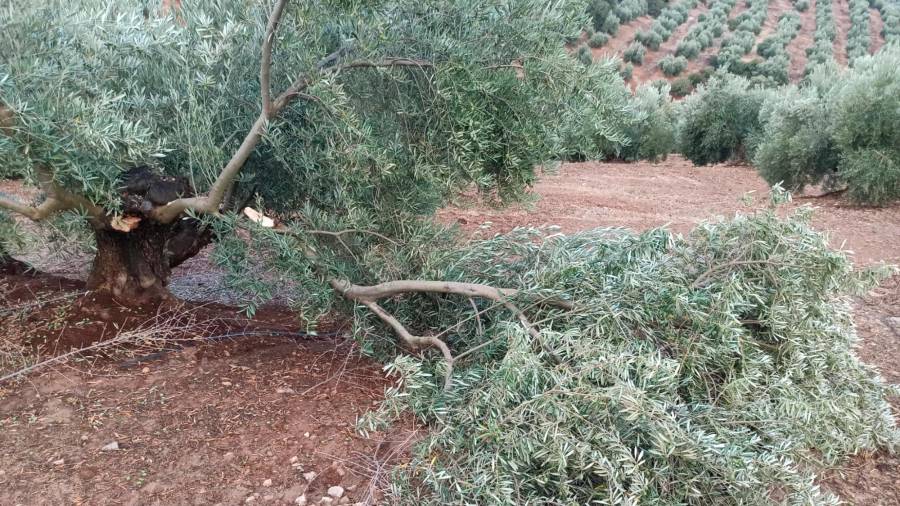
pixel 677 194
pixel 842 24
pixel 243 419
pixel 796 49
pixel 232 411
pixel 876 25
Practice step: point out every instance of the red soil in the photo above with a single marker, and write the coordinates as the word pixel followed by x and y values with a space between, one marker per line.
pixel 214 422
pixel 842 24
pixel 796 49
pixel 876 25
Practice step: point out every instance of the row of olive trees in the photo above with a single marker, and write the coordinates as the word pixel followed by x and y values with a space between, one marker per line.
pixel 841 133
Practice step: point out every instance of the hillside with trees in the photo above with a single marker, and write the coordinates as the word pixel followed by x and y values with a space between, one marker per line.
pixel 770 41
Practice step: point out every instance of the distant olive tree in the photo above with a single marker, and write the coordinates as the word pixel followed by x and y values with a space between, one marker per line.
pixel 842 133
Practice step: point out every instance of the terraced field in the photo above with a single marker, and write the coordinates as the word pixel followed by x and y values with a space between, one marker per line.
pixel 772 41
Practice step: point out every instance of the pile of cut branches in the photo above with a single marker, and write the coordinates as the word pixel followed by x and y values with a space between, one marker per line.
pixel 715 368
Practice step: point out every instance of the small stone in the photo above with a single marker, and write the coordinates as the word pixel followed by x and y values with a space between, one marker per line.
pixel 267 483
pixel 300 501
pixel 340 471
pixel 226 383
pixel 294 459
pixel 306 434
pixel 310 476
pixel 284 390
pixel 59 462
pixel 110 447
pixel 252 498
pixel 84 437
pixel 336 491
pixel 344 500
pixel 326 501
pixel 145 370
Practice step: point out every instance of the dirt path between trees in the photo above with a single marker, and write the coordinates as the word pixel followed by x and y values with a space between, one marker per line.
pixel 842 24
pixel 876 25
pixel 796 49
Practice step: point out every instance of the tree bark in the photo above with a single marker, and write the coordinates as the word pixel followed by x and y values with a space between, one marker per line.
pixel 131 266
pixel 134 266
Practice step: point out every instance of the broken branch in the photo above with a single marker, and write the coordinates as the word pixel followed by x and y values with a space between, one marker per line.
pixel 413 340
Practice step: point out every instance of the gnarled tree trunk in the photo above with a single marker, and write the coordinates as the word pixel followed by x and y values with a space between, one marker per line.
pixel 135 253
pixel 132 266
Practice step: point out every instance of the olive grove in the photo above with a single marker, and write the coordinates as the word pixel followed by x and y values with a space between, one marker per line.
pixel 603 367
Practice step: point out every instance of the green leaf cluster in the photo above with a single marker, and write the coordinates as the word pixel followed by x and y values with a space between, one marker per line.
pixel 715 368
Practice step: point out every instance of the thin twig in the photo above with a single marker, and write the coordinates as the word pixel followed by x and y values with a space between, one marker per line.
pixel 718 267
pixel 352 231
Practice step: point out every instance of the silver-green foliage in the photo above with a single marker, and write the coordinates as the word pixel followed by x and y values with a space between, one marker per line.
pixel 487 94
pixel 866 127
pixel 652 132
pixel 796 149
pixel 634 53
pixel 672 65
pixel 719 121
pixel 841 132
pixel 890 17
pixel 716 368
pixel 822 51
pixel 858 34
pixel 98 87
pixel 706 30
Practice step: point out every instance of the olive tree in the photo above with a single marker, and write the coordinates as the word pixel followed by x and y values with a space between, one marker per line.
pixel 155 126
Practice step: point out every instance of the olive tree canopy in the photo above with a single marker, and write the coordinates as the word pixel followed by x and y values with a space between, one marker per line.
pixel 156 125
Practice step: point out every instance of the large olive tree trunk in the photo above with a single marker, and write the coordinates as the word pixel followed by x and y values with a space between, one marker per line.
pixel 134 266
pixel 135 253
